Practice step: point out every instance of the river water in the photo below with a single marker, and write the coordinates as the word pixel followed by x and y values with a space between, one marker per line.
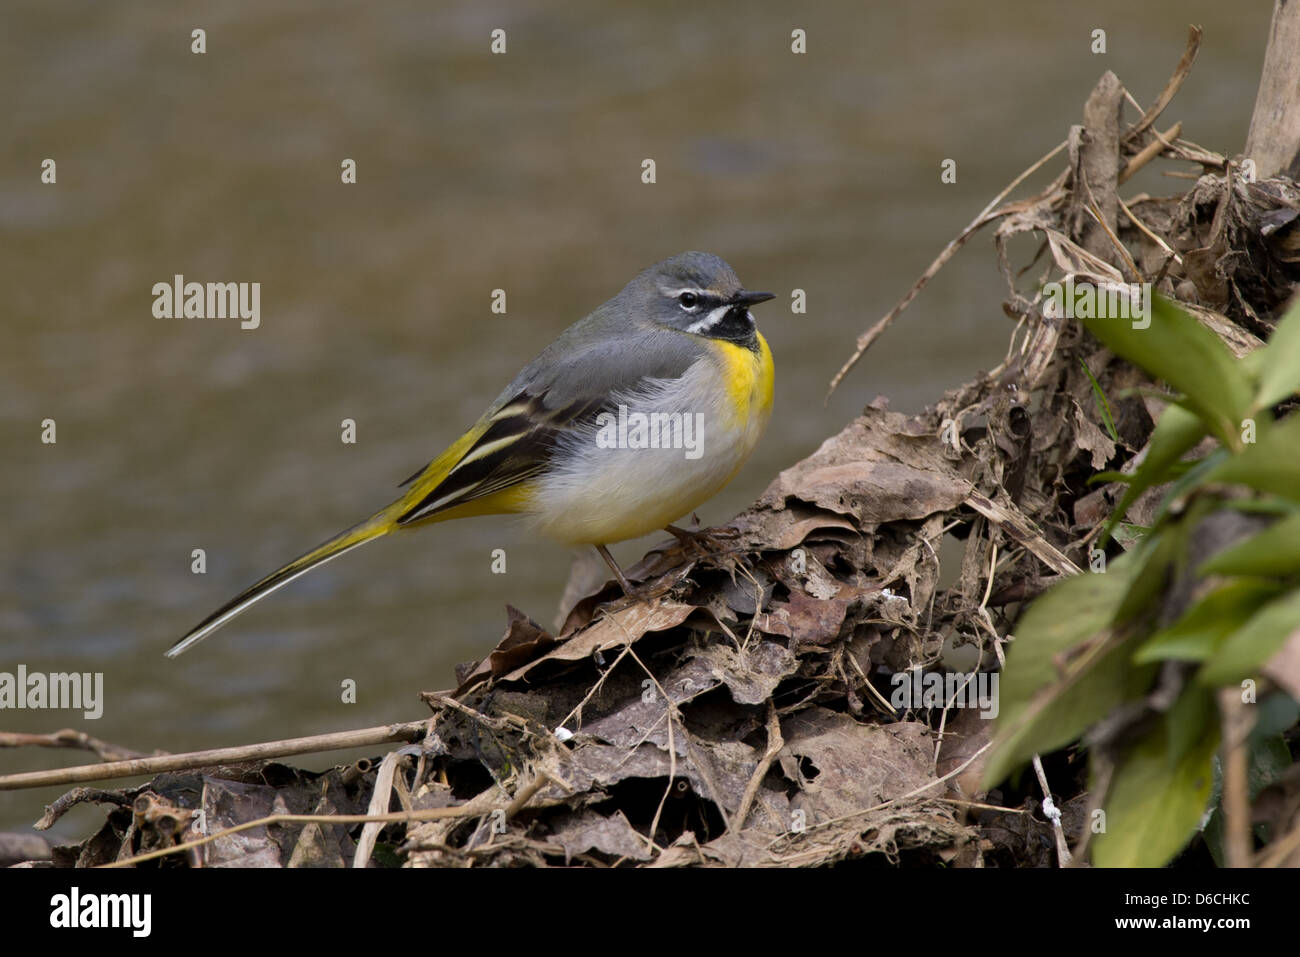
pixel 475 172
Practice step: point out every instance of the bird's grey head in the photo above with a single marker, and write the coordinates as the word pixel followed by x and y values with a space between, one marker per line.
pixel 696 293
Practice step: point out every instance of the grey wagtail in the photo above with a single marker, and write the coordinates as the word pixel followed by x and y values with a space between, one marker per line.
pixel 634 416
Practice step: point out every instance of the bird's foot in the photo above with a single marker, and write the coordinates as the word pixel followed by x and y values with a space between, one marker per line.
pixel 704 542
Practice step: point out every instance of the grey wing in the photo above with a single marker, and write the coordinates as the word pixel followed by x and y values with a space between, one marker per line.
pixel 599 356
pixel 569 383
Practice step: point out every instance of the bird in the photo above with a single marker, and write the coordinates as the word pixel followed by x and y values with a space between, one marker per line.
pixel 633 417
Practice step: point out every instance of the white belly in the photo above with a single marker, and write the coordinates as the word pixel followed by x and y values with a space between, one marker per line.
pixel 596 494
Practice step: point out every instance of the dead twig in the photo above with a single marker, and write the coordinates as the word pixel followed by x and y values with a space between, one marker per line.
pixel 70 799
pixel 986 216
pixel 1149 152
pixel 1148 233
pixel 1238 720
pixel 1053 814
pixel 70 738
pixel 335 741
pixel 1172 87
pixel 1019 528
pixel 428 814
pixel 774 745
pixel 379 801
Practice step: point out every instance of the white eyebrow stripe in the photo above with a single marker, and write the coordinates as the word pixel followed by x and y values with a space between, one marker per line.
pixel 709 321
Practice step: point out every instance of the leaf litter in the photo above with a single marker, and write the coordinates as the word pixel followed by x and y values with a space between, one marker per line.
pixel 738 712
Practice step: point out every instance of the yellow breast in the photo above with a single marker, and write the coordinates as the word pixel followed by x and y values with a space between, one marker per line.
pixel 749 379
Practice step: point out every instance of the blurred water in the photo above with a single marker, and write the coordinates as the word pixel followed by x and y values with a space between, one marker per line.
pixel 476 172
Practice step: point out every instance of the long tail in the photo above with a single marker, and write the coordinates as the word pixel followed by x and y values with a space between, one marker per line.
pixel 427 499
pixel 378 524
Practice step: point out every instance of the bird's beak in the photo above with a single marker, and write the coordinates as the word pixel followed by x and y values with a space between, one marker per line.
pixel 746 298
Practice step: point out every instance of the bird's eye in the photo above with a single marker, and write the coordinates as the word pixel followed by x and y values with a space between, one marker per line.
pixel 688 300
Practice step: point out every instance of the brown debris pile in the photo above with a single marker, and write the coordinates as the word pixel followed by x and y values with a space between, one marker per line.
pixel 741 713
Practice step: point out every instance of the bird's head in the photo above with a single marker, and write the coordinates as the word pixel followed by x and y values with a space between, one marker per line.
pixel 696 293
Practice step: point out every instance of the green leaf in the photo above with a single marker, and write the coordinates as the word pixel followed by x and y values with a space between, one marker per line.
pixel 1100 478
pixel 1174 436
pixel 1272 553
pixel 1161 553
pixel 1192 479
pixel 1277 712
pixel 1103 406
pixel 1156 801
pixel 1127 536
pixel 1204 626
pixel 1191 717
pixel 1254 643
pixel 1252 363
pixel 1153 556
pixel 1269 760
pixel 1048 697
pixel 1270 465
pixel 1190 358
pixel 1268 505
pixel 1279 372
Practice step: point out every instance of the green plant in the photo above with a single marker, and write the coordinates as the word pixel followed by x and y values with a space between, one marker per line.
pixel 1099 642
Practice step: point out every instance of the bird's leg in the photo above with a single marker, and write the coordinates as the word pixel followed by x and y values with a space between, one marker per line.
pixel 618 572
pixel 646 591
